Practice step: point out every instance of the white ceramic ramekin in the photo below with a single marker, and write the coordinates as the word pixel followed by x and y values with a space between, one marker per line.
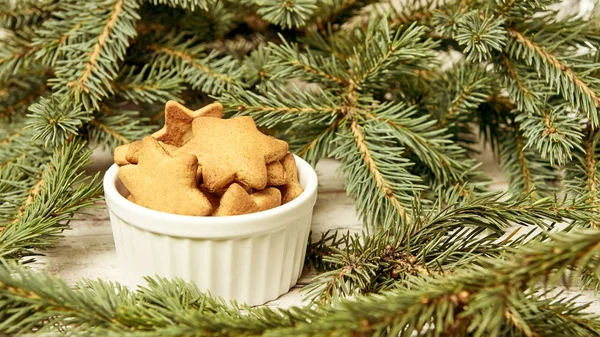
pixel 251 258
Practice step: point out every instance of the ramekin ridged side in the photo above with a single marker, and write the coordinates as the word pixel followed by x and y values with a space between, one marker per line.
pixel 251 258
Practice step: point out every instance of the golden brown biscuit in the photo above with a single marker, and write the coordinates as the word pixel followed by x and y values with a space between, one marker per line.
pixel 292 189
pixel 178 122
pixel 232 150
pixel 267 198
pixel 236 201
pixel 134 147
pixel 120 155
pixel 213 198
pixel 276 174
pixel 164 183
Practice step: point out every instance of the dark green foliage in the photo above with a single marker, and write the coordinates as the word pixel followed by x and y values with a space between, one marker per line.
pixel 498 297
pixel 400 95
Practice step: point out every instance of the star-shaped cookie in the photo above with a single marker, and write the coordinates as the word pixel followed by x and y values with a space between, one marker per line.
pixel 178 122
pixel 292 189
pixel 231 150
pixel 164 183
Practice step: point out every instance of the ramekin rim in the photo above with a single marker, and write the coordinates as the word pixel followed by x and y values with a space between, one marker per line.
pixel 304 168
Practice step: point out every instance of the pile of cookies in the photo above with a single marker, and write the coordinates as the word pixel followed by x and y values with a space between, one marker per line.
pixel 201 164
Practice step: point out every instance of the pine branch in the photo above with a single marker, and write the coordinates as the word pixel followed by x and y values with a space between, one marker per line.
pixel 287 14
pixel 17 14
pixel 91 62
pixel 386 55
pixel 454 233
pixel 480 35
pixel 113 127
pixel 280 106
pixel 151 84
pixel 480 300
pixel 210 73
pixel 525 168
pixel 376 173
pixel 572 87
pixel 19 92
pixel 16 53
pixel 49 202
pixel 55 119
pixel 185 4
pixel 555 134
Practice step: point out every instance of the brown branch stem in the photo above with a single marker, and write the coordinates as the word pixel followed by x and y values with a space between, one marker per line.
pixel 90 66
pixel 380 181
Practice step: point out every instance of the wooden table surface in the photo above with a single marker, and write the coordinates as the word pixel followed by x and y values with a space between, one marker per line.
pixel 88 251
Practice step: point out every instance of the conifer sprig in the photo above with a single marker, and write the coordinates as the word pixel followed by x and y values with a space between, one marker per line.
pixel 451 234
pixel 393 97
pixel 45 199
pixel 493 298
pixel 89 61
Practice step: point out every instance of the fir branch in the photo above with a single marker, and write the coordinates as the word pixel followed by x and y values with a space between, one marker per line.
pixel 314 146
pixel 279 106
pixel 376 173
pixel 573 88
pixel 517 9
pixel 555 134
pixel 50 202
pixel 111 128
pixel 582 174
pixel 287 14
pixel 16 14
pixel 386 55
pixel 55 119
pixel 419 135
pixel 380 182
pixel 90 64
pixel 16 53
pixel 525 168
pixel 520 84
pixel 472 300
pixel 480 35
pixel 466 87
pixel 210 73
pixel 450 235
pixel 20 91
pixel 305 66
pixel 413 11
pixel 339 11
pixel 150 84
pixel 185 4
pixel 53 37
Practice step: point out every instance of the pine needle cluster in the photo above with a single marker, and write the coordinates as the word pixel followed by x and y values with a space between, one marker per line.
pixel 399 93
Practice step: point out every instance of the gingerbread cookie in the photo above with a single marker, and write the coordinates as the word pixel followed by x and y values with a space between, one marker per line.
pixel 292 189
pixel 164 183
pixel 231 150
pixel 120 155
pixel 131 157
pixel 276 174
pixel 178 122
pixel 267 198
pixel 236 201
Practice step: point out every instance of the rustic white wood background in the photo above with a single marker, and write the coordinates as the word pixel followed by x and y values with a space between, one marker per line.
pixel 88 251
